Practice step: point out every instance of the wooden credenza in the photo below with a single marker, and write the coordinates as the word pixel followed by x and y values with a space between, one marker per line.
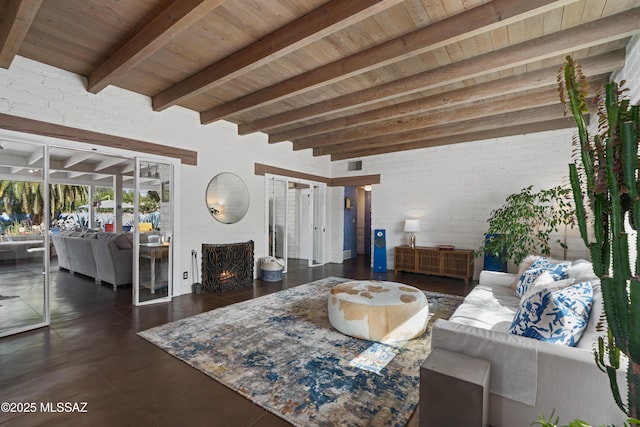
pixel 439 262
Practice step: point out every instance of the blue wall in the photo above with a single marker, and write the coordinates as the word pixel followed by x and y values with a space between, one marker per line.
pixel 367 222
pixel 350 216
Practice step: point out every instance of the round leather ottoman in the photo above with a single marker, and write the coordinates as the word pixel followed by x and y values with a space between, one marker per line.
pixel 378 311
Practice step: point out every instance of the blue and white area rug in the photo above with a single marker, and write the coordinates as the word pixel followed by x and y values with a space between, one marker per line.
pixel 281 352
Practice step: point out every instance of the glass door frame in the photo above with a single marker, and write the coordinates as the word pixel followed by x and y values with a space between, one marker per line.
pixel 270 212
pixel 46 253
pixel 316 214
pixel 318 223
pixel 136 232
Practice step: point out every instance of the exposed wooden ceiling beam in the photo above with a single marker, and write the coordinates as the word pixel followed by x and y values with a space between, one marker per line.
pixel 533 115
pixel 175 19
pixel 471 111
pixel 550 125
pixel 18 16
pixel 486 17
pixel 467 113
pixel 299 33
pixel 593 66
pixel 562 42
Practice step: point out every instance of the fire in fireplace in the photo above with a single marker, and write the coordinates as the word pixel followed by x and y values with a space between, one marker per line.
pixel 227 266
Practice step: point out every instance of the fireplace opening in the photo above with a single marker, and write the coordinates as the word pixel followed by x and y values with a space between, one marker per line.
pixel 227 266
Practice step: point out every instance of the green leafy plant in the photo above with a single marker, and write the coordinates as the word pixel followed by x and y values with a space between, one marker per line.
pixel 524 224
pixel 553 422
pixel 605 184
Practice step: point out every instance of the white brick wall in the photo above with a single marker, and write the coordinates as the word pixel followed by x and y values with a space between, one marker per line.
pixel 452 189
pixel 631 70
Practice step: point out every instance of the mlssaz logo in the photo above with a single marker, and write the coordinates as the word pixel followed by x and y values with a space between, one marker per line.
pixel 67 407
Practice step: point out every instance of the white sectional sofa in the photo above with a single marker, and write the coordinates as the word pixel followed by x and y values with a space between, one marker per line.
pixel 106 257
pixel 529 377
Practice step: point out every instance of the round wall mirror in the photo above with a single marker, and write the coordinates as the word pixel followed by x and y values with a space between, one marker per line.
pixel 227 198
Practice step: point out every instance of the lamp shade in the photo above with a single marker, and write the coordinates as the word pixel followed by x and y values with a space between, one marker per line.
pixel 411 225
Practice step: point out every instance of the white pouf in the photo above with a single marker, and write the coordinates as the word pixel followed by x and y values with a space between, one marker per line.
pixel 378 311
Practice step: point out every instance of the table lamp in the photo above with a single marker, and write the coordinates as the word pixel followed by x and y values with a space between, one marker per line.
pixel 411 226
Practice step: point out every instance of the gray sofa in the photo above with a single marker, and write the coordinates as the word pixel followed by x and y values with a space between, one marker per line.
pixel 106 257
pixel 528 377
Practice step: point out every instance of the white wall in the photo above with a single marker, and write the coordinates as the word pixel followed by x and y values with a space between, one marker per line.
pixel 631 70
pixel 453 189
pixel 37 91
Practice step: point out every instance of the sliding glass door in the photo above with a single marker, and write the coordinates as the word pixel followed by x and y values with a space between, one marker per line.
pixel 24 243
pixel 153 232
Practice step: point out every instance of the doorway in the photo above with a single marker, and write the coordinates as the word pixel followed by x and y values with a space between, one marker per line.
pixel 357 221
pixel 295 218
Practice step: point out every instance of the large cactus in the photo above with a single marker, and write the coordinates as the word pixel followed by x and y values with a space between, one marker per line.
pixel 605 175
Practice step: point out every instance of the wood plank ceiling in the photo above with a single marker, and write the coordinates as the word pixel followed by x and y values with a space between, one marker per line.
pixel 345 78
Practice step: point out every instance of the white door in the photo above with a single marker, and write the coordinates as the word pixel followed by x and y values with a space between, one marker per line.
pixel 304 229
pixel 317 214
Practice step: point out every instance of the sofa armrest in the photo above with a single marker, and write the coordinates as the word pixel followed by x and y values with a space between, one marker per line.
pixel 493 278
pixel 122 264
pixel 514 359
pixel 535 377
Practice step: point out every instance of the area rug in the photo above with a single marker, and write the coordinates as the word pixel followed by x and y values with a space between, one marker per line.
pixel 281 352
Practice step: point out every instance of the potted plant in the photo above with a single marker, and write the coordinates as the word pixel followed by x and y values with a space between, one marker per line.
pixel 606 190
pixel 525 223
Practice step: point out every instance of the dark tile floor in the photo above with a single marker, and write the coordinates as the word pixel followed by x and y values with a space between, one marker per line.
pixel 91 354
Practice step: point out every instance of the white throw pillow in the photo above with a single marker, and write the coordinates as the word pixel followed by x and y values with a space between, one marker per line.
pixel 547 281
pixel 582 271
pixel 555 315
pixel 539 266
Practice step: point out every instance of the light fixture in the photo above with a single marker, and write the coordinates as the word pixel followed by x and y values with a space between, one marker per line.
pixel 411 226
pixel 367 187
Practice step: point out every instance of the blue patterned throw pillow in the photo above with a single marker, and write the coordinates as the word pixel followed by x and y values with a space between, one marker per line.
pixel 539 266
pixel 555 315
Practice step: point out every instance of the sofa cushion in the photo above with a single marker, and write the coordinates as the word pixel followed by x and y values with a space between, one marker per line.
pixel 556 315
pixel 488 307
pixel 539 266
pixel 122 241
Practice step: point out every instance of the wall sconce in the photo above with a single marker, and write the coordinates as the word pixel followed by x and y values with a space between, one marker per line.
pixel 347 203
pixel 411 226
